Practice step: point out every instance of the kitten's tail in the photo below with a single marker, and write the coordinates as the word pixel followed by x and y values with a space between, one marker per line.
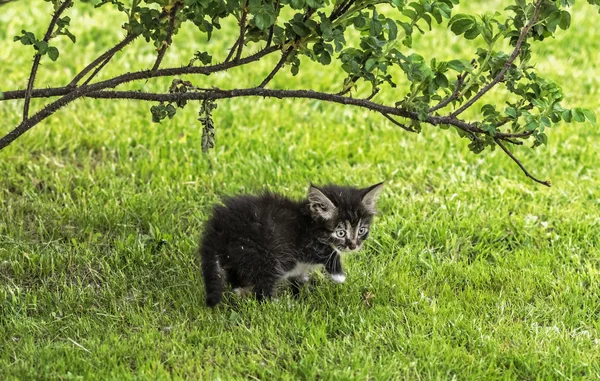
pixel 213 277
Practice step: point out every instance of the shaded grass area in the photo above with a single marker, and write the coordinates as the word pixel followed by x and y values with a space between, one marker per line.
pixel 471 270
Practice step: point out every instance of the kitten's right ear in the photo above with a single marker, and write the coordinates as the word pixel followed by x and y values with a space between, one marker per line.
pixel 320 205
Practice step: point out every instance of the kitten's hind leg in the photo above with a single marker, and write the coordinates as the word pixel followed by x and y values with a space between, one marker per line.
pixel 334 268
pixel 238 285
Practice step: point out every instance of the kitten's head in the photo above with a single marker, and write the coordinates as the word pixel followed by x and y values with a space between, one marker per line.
pixel 345 214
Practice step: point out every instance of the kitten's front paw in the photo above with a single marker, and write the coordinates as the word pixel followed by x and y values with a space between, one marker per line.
pixel 338 278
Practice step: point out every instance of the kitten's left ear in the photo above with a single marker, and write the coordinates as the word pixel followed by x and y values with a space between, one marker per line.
pixel 370 196
pixel 320 205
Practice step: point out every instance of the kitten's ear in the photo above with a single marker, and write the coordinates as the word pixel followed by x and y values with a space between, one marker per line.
pixel 320 205
pixel 370 196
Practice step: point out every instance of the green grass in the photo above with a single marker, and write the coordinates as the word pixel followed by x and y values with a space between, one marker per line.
pixel 476 272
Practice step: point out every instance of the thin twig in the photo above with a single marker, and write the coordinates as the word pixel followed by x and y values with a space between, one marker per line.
pixel 373 93
pixel 38 56
pixel 309 12
pixel 240 46
pixel 277 67
pixel 500 76
pixel 97 70
pixel 239 41
pixel 168 39
pixel 272 27
pixel 104 58
pixel 403 126
pixel 232 50
pixel 341 9
pixel 543 182
pixel 349 88
pixel 459 82
pixel 515 142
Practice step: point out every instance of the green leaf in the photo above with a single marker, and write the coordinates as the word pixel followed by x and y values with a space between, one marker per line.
pixel 461 23
pixel 41 46
pixel 457 65
pixel 589 115
pixel 510 111
pixel 546 121
pixel 370 64
pixel 542 138
pixel 171 111
pixel 325 58
pixel 375 28
pixel 53 53
pixel 27 38
pixel 565 20
pixel 472 33
pixel 294 69
pixel 297 4
pixel 359 21
pixel 300 29
pixel 70 35
pixel 392 30
pixel 441 80
pixel 488 110
pixel 203 57
pixel 264 18
pixel 578 115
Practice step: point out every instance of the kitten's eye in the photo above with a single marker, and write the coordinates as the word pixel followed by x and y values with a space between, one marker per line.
pixel 340 233
pixel 362 231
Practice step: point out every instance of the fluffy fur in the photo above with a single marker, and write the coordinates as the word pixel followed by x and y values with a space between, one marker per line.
pixel 254 242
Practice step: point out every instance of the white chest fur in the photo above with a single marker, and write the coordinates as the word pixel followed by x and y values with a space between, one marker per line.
pixel 301 270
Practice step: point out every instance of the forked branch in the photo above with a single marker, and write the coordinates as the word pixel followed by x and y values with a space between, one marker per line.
pixel 102 59
pixel 38 56
pixel 169 37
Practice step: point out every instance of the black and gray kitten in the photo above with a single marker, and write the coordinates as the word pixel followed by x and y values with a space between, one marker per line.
pixel 254 242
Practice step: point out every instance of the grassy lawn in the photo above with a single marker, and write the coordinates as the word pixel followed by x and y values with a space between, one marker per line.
pixel 472 270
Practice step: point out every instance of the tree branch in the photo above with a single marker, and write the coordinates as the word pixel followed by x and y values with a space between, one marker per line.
pixel 543 182
pixel 500 76
pixel 38 56
pixel 168 39
pixel 104 58
pixel 72 94
pixel 95 91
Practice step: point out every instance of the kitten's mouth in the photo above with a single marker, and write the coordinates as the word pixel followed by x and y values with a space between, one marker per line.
pixel 346 250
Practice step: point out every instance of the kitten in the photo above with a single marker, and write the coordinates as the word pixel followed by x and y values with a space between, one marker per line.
pixel 256 241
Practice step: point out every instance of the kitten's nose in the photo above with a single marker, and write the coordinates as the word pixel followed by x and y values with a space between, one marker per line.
pixel 351 246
